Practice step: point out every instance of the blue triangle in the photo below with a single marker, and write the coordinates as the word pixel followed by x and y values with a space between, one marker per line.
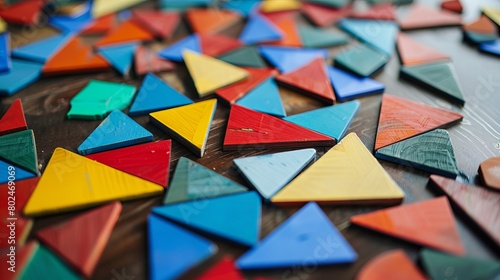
pixel 245 7
pixel 117 130
pixel 120 56
pixel 232 217
pixel 287 59
pixel 380 34
pixel 156 95
pixel 124 15
pixel 339 119
pixel 270 173
pixel 174 51
pixel 41 51
pixel 264 98
pixel 20 173
pixel 307 235
pixel 259 30
pixel 349 86
pixel 70 24
pixel 21 74
pixel 491 47
pixel 5 62
pixel 173 250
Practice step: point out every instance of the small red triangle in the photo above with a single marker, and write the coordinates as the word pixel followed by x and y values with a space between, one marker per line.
pixel 210 20
pixel 13 120
pixel 24 12
pixel 22 257
pixel 125 32
pixel 150 161
pixel 288 27
pixel 324 16
pixel 214 45
pixel 238 90
pixel 146 61
pixel 412 52
pixel 483 25
pixel 423 17
pixel 280 15
pixel 310 79
pixel 161 24
pixel 224 269
pixel 383 11
pixel 100 25
pixel 428 223
pixel 452 5
pixel 81 240
pixel 250 129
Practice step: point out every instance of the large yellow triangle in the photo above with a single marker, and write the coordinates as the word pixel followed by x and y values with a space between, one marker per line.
pixel 210 74
pixel 71 182
pixel 347 174
pixel 269 6
pixel 189 124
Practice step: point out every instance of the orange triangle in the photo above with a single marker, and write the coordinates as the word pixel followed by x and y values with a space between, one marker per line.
pixel 390 265
pixel 125 32
pixel 428 223
pixel 13 120
pixel 100 25
pixel 401 119
pixel 288 27
pixel 483 25
pixel 211 21
pixel 215 45
pixel 423 17
pixel 24 12
pixel 412 52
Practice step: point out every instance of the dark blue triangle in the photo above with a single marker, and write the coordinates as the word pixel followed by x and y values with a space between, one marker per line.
pixel 41 51
pixel 72 24
pixel 264 98
pixel 174 51
pixel 380 34
pixel 5 62
pixel 20 173
pixel 491 47
pixel 287 59
pixel 348 86
pixel 259 30
pixel 120 56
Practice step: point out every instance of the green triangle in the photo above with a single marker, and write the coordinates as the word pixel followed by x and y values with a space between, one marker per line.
pixel 331 3
pixel 245 57
pixel 439 77
pixel 361 60
pixel 44 264
pixel 313 37
pixel 193 181
pixel 19 149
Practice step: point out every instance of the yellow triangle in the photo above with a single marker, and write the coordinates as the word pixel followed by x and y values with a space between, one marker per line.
pixel 3 27
pixel 72 182
pixel 269 6
pixel 493 14
pixel 210 74
pixel 189 124
pixel 105 7
pixel 347 174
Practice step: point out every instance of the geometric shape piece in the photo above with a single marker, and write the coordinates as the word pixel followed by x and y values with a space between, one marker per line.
pixel 390 265
pixel 161 24
pixel 99 98
pixel 81 240
pixel 235 91
pixel 19 148
pixel 126 32
pixel 21 174
pixel 288 59
pixel 439 77
pixel 268 6
pixel 401 119
pixel 155 95
pixel 23 256
pixel 245 56
pixel 117 130
pixel 232 217
pixel 72 182
pixel 493 14
pixel 13 120
pixel 452 5
pixel 382 11
pixel 69 24
pixel 180 249
pixel 210 20
pixel 100 26
pixel 489 172
pixel 5 62
pixel 23 12
pixel 120 56
pixel 380 35
pixel 264 98
pixel 269 173
pixel 348 86
pixel 330 3
pixel 347 174
pixel 22 73
pixel 44 264
pixel 225 268
pixel 249 129
pixel 192 181
pixel 41 51
pixel 421 16
pixel 324 16
pixel 244 7
pixel 180 5
pixel 478 38
pixel 313 37
pixel 361 60
pixel 428 223
pixel 491 47
pixel 147 61
pixel 189 124
pixel 289 30
pixel 482 25
pixel 102 7
pixel 215 44
pixel 297 239
pixel 431 152
pixel 174 51
pixel 412 52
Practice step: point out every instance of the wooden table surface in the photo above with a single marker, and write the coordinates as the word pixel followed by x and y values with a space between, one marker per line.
pixel 475 139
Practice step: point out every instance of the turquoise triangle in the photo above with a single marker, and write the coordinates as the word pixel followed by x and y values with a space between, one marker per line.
pixel 318 38
pixel 259 30
pixel 264 98
pixel 120 56
pixel 174 51
pixel 245 7
pixel 379 34
pixel 348 86
pixel 41 51
pixel 44 264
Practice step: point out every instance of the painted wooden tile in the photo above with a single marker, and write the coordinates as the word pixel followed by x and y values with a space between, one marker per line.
pixel 5 60
pixel 493 14
pixel 421 16
pixel 101 25
pixel 21 173
pixel 189 124
pixel 288 59
pixel 380 35
pixel 126 32
pixel 235 91
pixel 491 48
pixel 412 52
pixel 358 179
pixel 210 20
pixel 81 240
pixel 19 148
pixel 71 24
pixel 73 9
pixel 264 98
pixel 23 13
pixel 289 29
pixel 244 7
pixel 3 25
pixel 23 256
pixel 216 44
pixel 120 56
pixel 382 11
pixel 482 25
pixel 174 51
pixel 181 5
pixel 390 265
pixel 324 16
pixel 331 3
pixel 313 37
pixel 44 264
pixel 349 86
pixel 258 30
pixel 247 56
pixel 429 223
pixel 452 6
pixel 146 61
pixel 22 73
pixel 361 60
pixel 72 182
pixel 225 268
pixel 102 7
pixel 160 23
pixel 479 38
pixel 296 239
pixel 42 50
pixel 489 172
pixel 13 120
pixel 269 6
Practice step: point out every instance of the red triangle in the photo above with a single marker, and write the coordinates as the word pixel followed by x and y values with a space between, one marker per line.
pixel 479 204
pixel 146 61
pixel 423 17
pixel 24 12
pixel 125 32
pixel 224 269
pixel 238 90
pixel 452 5
pixel 401 119
pixel 483 25
pixel 383 11
pixel 288 27
pixel 428 223
pixel 324 16
pixel 210 20
pixel 23 256
pixel 412 52
pixel 310 79
pixel 214 45
pixel 81 240
pixel 250 129
pixel 161 24
pixel 13 120
pixel 280 15
pixel 132 160
pixel 100 25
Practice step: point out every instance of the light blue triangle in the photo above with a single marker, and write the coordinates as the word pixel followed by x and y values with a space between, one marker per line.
pixel 380 34
pixel 264 98
pixel 233 217
pixel 287 59
pixel 259 30
pixel 245 7
pixel 5 60
pixel 336 119
pixel 270 173
pixel 20 173
pixel 174 51
pixel 156 95
pixel 117 130
pixel 348 86
pixel 173 250
pixel 21 74
pixel 307 235
pixel 120 56
pixel 41 51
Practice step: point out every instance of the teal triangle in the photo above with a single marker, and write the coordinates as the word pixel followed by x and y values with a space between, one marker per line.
pixel 287 59
pixel 337 119
pixel 193 181
pixel 20 174
pixel 313 37
pixel 439 77
pixel 184 4
pixel 173 250
pixel 330 3
pixel 21 74
pixel 479 38
pixel 120 56
pixel 174 51
pixel 41 51
pixel 431 152
pixel 232 217
pixel 245 7
pixel 246 57
pixel 264 98
pixel 380 34
pixel 348 86
pixel 117 130
pixel 270 173
pixel 156 95
pixel 259 30
pixel 44 264
pixel 307 235
pixel 19 148
pixel 361 60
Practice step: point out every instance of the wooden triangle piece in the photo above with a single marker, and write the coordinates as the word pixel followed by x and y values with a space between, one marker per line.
pixel 381 35
pixel 19 148
pixel 350 86
pixel 390 265
pixel 23 256
pixel 428 223
pixel 42 50
pixel 21 173
pixel 362 60
pixel 161 24
pixel 264 98
pixel 331 3
pixel 215 45
pixel 269 6
pixel 382 11
pixel 482 25
pixel 81 240
pixel 45 264
pixel 245 57
pixel 488 172
pixel 258 30
pixel 121 56
pixel 289 59
pixel 23 12
pixel 452 5
pixel 210 20
pixel 147 61
pixel 13 120
pixel 235 91
pixel 244 7
pixel 126 32
pixel 412 52
pixel 313 37
pixel 493 14
pixel 100 26
pixel 401 119
pixel 421 16
pixel 5 59
pixel 225 268
pixel 324 16
pixel 21 74
pixel 174 52
pixel 289 29
pixel 102 7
